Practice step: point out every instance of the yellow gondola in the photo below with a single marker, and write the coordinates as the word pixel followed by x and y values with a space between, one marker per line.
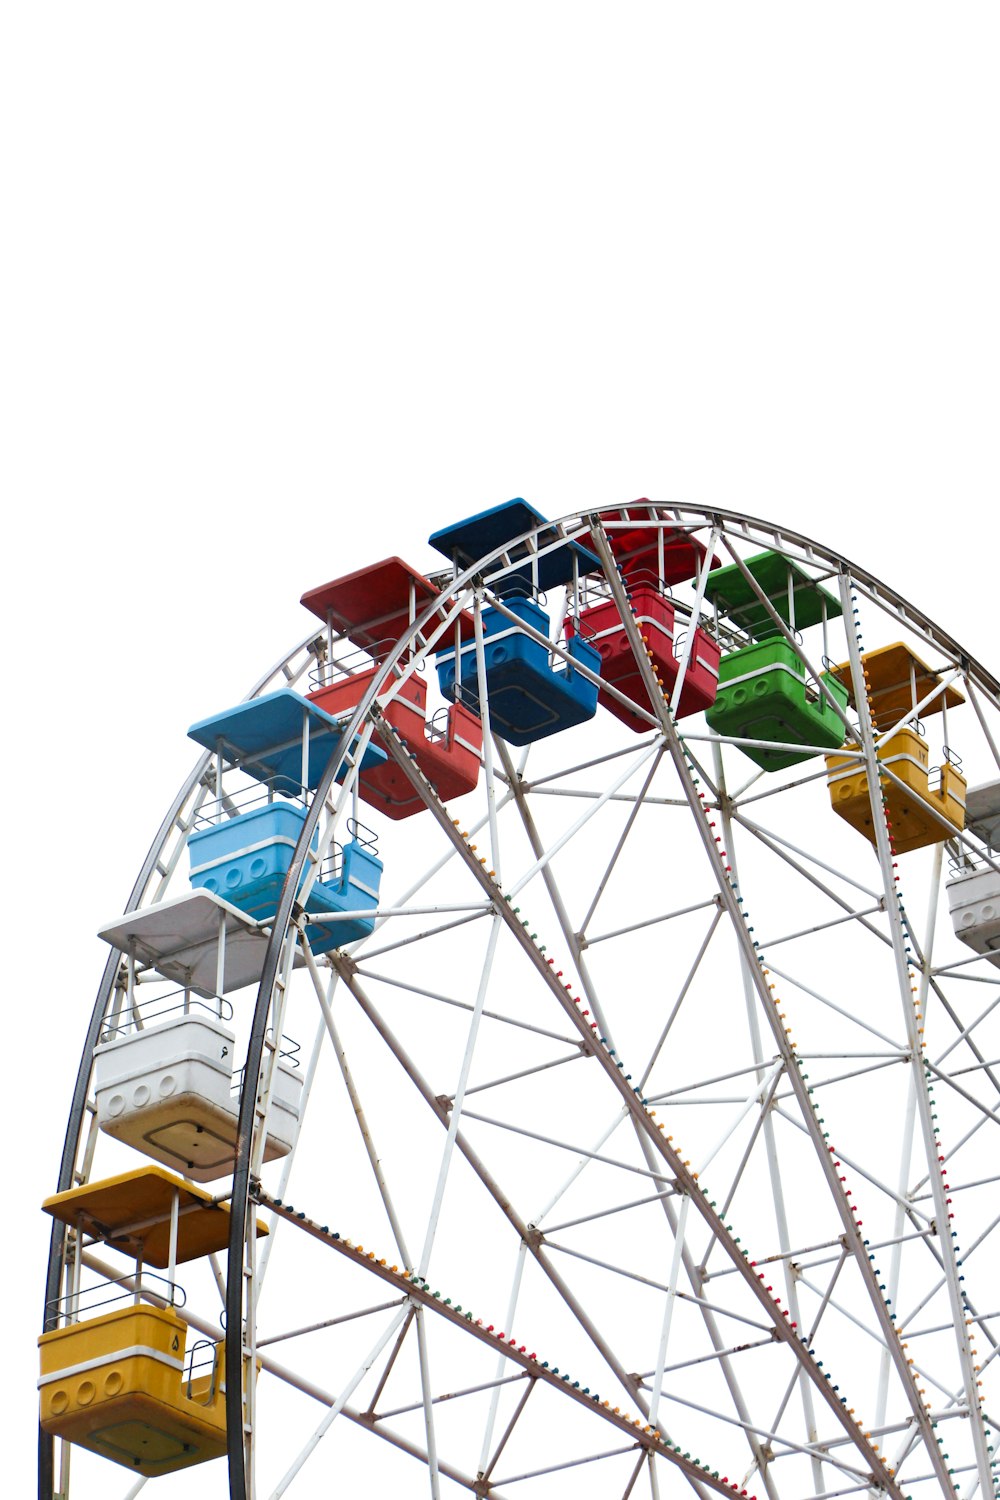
pixel 121 1385
pixel 124 1383
pixel 924 804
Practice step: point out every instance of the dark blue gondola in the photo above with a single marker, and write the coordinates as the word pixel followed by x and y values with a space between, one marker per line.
pixel 530 694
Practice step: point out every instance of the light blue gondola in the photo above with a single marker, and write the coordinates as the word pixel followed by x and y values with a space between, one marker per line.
pixel 285 742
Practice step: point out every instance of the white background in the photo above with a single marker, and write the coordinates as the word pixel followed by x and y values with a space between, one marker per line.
pixel 286 288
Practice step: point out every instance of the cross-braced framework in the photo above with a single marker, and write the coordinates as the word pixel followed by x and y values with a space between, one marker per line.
pixel 647 1141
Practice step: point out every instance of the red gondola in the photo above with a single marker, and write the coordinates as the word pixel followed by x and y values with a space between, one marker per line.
pixel 656 620
pixel 373 607
pixel 651 559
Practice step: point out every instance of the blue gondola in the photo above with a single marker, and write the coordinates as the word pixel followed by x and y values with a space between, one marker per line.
pixel 284 742
pixel 530 695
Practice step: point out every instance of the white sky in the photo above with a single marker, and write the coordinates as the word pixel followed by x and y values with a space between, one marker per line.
pixel 286 288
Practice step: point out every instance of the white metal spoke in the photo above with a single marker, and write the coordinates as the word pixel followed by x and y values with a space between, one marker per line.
pixel 575 828
pixel 338 1405
pixel 366 1135
pixel 433 1471
pixel 508 1323
pixel 669 916
pixel 585 1156
pixel 571 1463
pixel 289 1161
pixel 689 979
pixel 491 1463
pixel 472 1390
pixel 295 1333
pixel 668 1308
pixel 551 1140
pixel 603 1213
pixel 493 1015
pixel 458 1099
pixel 616 853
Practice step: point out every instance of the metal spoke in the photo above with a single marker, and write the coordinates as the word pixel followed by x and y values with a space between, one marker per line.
pixel 338 1406
pixel 471 1390
pixel 493 1015
pixel 602 883
pixel 501 1445
pixel 572 1463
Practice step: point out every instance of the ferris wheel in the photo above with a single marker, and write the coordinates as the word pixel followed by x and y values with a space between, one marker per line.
pixel 553 1041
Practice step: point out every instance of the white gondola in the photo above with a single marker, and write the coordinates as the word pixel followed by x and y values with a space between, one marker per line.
pixel 168 1091
pixel 166 1085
